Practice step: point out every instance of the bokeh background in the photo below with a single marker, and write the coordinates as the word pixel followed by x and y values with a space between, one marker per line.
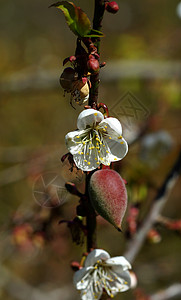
pixel 142 50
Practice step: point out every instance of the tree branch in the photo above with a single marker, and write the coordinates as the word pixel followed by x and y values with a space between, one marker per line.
pixel 163 194
pixel 173 291
pixel 97 25
pixel 91 216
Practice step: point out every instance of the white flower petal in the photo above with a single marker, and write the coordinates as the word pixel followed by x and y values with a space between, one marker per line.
pixel 118 148
pixel 89 294
pixel 134 280
pixel 95 255
pixel 118 261
pixel 81 278
pixel 71 144
pixel 85 163
pixel 74 140
pixel 113 127
pixel 89 117
pixel 122 281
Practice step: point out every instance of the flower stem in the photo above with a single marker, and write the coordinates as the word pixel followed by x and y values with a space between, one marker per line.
pixel 90 220
pixel 99 9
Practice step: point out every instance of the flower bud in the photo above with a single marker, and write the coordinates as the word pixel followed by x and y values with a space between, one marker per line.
pixel 108 195
pixel 93 65
pixel 112 7
pixel 153 236
pixel 71 188
pixel 75 265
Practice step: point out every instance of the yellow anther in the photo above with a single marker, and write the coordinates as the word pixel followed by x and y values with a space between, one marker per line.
pixel 99 151
pixel 95 158
pixel 116 277
pixel 81 152
pixel 120 137
pixel 112 296
pixel 82 281
pixel 95 267
pixel 97 147
pixel 97 139
pixel 95 114
pixel 87 153
pixel 88 163
pixel 101 158
pixel 104 129
pixel 104 146
pixel 85 160
pixel 115 158
pixel 107 151
pixel 122 143
pixel 105 126
pixel 110 138
pixel 83 143
pixel 97 163
pixel 126 282
pixel 77 136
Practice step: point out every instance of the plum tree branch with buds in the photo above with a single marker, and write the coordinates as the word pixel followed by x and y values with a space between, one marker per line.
pixel 96 144
pixel 93 148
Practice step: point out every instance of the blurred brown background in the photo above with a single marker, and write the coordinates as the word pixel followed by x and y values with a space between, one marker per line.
pixel 142 50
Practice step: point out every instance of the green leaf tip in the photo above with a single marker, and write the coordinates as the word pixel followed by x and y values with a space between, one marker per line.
pixel 77 20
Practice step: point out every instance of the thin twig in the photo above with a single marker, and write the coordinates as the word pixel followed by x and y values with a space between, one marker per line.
pixel 163 194
pixel 33 80
pixel 21 171
pixel 97 25
pixel 21 290
pixel 173 291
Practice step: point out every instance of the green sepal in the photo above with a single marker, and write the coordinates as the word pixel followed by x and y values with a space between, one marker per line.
pixel 94 33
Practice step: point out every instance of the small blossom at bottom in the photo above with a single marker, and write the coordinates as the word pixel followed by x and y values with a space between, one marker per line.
pixel 101 272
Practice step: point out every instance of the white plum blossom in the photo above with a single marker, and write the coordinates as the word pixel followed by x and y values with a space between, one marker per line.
pixel 97 140
pixel 102 272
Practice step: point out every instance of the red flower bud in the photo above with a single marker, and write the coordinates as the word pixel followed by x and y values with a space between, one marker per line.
pixel 75 265
pixel 93 65
pixel 112 7
pixel 153 236
pixel 67 59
